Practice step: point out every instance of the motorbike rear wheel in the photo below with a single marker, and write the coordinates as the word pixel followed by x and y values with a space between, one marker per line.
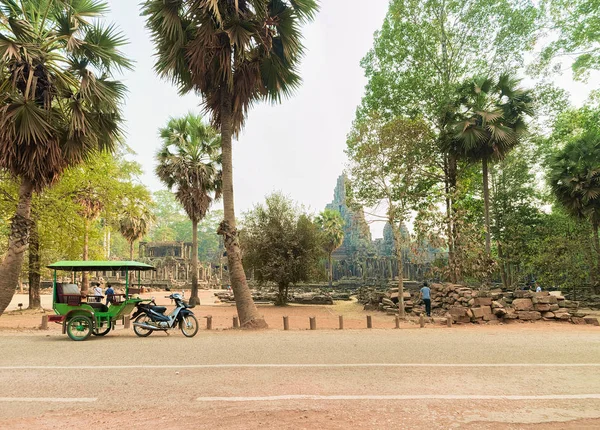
pixel 189 325
pixel 141 331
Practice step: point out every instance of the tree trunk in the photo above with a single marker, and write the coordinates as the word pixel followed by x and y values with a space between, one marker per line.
pixel 194 299
pixel 131 250
pixel 330 271
pixel 398 242
pixel 11 266
pixel 486 208
pixel 85 279
pixel 596 267
pixel 34 267
pixel 504 274
pixel 247 311
pixel 450 184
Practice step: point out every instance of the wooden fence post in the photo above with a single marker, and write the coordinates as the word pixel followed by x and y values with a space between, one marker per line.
pixel 397 321
pixel 449 320
pixel 286 323
pixel 341 322
pixel 208 322
pixel 313 323
pixel 422 320
pixel 44 325
pixel 126 322
pixel 369 322
pixel 236 322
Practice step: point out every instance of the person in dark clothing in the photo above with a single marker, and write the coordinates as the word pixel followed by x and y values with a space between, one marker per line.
pixel 110 295
pixel 426 297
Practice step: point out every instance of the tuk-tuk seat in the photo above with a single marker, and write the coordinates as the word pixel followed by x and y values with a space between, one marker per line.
pixel 69 294
pixel 99 306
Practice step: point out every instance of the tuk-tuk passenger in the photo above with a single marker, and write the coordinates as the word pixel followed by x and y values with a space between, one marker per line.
pixel 110 294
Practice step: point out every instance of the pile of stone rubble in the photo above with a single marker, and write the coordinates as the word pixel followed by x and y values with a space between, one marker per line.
pixel 466 305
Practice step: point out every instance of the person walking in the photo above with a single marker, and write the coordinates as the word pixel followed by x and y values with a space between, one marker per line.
pixel 426 297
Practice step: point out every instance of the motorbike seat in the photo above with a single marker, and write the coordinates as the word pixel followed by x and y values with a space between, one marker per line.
pixel 159 309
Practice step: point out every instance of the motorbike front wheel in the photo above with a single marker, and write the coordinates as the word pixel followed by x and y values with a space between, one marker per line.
pixel 189 325
pixel 141 331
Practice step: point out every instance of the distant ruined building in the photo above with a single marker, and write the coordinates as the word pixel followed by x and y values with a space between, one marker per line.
pixel 173 263
pixel 373 260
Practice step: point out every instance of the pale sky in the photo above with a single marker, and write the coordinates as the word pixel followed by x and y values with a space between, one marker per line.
pixel 296 147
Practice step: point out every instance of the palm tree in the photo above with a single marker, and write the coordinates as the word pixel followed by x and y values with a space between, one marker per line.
pixel 331 224
pixel 234 53
pixel 575 181
pixel 134 221
pixel 189 163
pixel 90 207
pixel 58 101
pixel 492 120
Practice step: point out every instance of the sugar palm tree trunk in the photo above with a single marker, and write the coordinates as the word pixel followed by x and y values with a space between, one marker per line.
pixel 194 299
pixel 596 267
pixel 330 271
pixel 131 250
pixel 11 266
pixel 486 207
pixel 247 311
pixel 34 267
pixel 85 281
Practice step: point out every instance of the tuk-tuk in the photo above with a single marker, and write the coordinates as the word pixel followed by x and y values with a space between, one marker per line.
pixel 82 315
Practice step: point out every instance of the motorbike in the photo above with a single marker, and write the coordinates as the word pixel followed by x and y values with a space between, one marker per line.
pixel 149 317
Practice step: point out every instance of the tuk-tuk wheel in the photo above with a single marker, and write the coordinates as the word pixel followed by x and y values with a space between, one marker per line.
pixel 98 332
pixel 79 327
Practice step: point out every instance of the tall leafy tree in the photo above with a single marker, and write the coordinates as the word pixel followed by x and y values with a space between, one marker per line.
pixel 576 24
pixel 331 224
pixel 492 121
pixel 390 165
pixel 189 164
pixel 424 51
pixel 281 244
pixel 58 101
pixel 135 219
pixel 234 53
pixel 575 180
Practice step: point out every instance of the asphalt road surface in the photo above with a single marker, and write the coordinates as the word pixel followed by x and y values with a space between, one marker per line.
pixel 379 379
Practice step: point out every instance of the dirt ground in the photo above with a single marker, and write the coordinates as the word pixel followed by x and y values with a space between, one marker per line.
pixel 172 382
pixel 327 317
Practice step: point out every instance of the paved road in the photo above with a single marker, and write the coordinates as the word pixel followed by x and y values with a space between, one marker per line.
pixel 328 379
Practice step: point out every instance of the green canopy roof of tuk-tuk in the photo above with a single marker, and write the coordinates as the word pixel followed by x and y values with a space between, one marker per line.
pixel 83 266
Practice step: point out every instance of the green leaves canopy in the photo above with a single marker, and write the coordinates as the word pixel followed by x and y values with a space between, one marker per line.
pixel 189 163
pixel 237 52
pixel 58 101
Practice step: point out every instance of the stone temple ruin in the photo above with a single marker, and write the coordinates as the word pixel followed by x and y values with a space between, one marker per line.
pixel 173 263
pixel 372 261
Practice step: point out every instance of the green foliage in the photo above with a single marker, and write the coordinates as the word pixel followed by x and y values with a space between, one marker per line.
pixel 58 101
pixel 578 25
pixel 331 224
pixel 173 224
pixel 280 243
pixel 189 163
pixel 237 54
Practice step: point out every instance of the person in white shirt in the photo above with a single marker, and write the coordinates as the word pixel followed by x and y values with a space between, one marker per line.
pixel 97 289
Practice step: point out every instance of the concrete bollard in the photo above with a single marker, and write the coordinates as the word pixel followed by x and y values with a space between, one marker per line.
pixel 341 322
pixel 369 322
pixel 313 323
pixel 286 323
pixel 44 325
pixel 126 322
pixel 449 321
pixel 422 320
pixel 236 322
pixel 397 321
pixel 208 322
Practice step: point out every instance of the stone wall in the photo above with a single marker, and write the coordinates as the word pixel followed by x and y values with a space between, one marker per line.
pixel 467 305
